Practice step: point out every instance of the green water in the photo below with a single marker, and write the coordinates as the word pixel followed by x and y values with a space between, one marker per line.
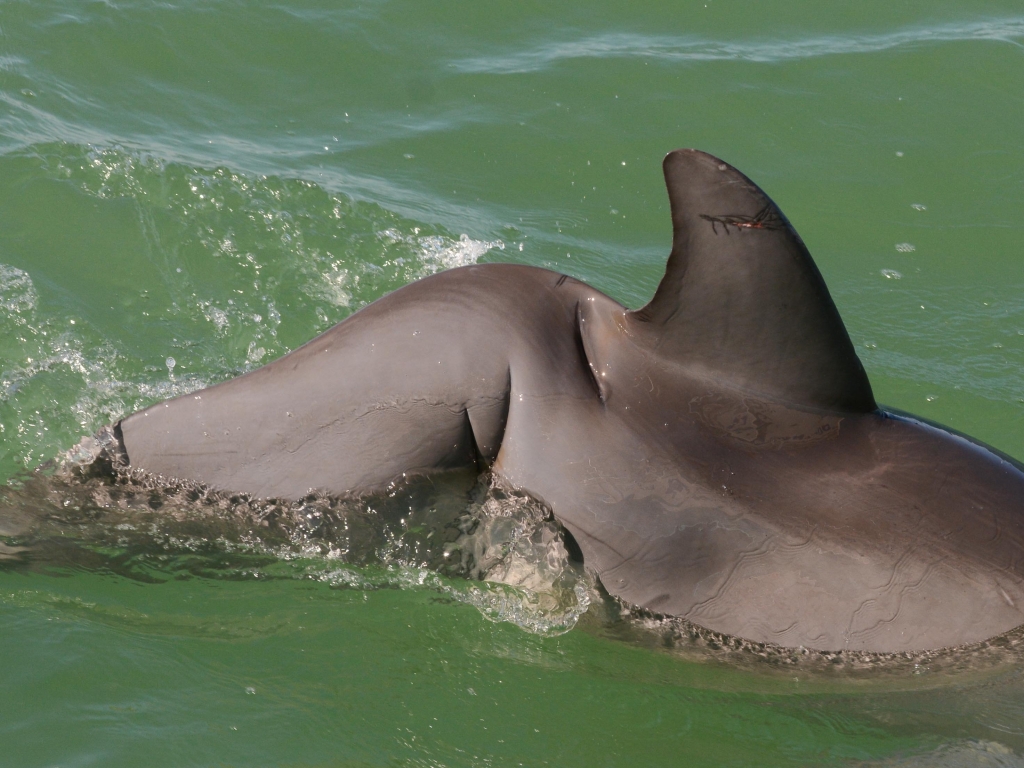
pixel 190 189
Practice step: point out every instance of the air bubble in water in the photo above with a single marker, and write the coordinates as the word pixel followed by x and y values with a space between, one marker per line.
pixel 171 362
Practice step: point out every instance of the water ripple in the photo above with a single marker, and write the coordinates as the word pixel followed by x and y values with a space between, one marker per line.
pixel 677 48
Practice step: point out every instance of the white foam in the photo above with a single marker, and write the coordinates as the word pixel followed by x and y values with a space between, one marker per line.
pixel 331 286
pixel 17 293
pixel 440 253
pixel 436 253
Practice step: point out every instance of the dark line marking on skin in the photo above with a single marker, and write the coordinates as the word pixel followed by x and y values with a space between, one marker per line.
pixel 478 454
pixel 768 547
pixel 561 280
pixel 778 632
pixel 904 588
pixel 765 547
pixel 766 218
pixel 581 346
pixel 505 400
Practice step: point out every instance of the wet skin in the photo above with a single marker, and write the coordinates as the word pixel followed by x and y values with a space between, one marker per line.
pixel 717 454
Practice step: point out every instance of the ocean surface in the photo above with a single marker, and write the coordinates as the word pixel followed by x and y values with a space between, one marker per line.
pixel 191 189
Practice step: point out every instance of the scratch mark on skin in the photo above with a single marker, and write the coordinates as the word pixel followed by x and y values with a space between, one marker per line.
pixel 900 561
pixel 404 406
pixel 909 587
pixel 780 632
pixel 753 554
pixel 766 218
pixel 768 546
pixel 1006 597
pixel 997 530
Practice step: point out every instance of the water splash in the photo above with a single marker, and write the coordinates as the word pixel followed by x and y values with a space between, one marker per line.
pixel 464 536
pixel 17 293
pixel 42 354
pixel 439 253
pixel 230 271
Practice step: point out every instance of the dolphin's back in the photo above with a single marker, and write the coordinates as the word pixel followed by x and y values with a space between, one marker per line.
pixel 415 382
pixel 717 454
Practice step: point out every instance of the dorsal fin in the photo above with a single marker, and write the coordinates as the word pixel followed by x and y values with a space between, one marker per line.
pixel 741 297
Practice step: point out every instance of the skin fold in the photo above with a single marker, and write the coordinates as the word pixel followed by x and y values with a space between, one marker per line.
pixel 717 454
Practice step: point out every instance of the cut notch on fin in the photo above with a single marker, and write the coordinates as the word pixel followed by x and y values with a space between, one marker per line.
pixel 741 297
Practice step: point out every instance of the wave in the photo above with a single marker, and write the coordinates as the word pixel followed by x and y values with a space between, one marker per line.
pixel 686 49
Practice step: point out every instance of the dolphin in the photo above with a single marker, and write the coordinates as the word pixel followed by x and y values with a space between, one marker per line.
pixel 716 455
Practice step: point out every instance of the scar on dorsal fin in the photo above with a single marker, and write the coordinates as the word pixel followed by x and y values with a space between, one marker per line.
pixel 741 298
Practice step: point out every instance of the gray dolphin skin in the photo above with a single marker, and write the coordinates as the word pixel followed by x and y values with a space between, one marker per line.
pixel 717 454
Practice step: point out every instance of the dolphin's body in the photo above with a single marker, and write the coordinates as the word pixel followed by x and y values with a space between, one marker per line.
pixel 717 455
